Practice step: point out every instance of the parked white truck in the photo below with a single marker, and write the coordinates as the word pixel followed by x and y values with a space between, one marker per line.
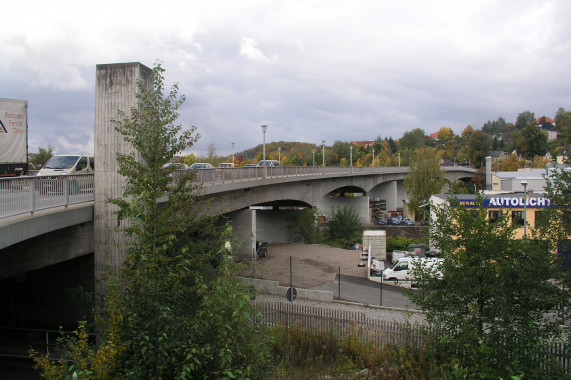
pixel 13 137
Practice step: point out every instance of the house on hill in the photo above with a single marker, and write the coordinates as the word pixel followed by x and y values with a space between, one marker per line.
pixel 548 125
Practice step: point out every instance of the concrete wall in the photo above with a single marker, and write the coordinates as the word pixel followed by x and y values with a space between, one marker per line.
pixel 271 228
pixel 116 89
pixel 360 204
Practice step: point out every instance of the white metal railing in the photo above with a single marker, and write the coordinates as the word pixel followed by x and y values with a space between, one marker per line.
pixel 21 195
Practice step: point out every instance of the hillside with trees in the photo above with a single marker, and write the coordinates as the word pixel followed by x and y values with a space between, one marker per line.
pixel 526 139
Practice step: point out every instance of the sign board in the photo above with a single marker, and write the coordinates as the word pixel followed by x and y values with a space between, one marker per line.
pixel 13 131
pixel 291 294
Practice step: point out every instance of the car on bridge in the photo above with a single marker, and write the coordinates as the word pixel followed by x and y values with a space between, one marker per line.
pixel 201 165
pixel 269 163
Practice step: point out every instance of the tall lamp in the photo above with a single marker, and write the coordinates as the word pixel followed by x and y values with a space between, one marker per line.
pixel 233 144
pixel 524 184
pixel 323 144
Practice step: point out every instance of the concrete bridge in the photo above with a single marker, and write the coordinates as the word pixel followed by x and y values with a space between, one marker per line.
pixel 51 242
pixel 59 227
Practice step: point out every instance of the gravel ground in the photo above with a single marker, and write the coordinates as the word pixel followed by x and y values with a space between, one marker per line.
pixel 314 265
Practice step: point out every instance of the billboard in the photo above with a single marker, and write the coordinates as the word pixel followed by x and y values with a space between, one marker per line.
pixel 13 131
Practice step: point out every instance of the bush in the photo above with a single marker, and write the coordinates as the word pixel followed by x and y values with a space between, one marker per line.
pixel 401 243
pixel 344 228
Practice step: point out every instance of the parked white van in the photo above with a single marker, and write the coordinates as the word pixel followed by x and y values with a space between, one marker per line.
pixel 68 164
pixel 402 269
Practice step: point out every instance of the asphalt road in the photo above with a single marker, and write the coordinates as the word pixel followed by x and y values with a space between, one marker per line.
pixel 362 290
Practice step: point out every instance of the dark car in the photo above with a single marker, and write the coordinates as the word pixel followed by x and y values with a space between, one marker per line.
pixel 269 163
pixel 261 249
pixel 395 220
pixel 382 221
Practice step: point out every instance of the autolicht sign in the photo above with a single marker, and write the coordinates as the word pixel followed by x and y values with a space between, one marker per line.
pixel 507 202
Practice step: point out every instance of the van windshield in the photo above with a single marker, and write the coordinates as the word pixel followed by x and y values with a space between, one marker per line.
pixel 61 162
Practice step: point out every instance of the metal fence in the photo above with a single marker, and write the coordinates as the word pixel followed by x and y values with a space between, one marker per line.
pixel 345 323
pixel 23 195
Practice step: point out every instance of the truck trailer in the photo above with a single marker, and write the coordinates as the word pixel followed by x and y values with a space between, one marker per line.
pixel 13 137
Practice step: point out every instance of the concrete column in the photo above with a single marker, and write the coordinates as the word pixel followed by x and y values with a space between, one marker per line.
pixel 115 89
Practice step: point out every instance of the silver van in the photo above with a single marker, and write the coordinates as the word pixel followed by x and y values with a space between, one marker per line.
pixel 68 164
pixel 53 175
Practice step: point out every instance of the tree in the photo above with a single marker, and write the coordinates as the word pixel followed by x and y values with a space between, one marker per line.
pixel 413 140
pixel 493 296
pixel 344 227
pixel 186 315
pixel 479 148
pixel 211 153
pixel 523 119
pixel 302 226
pixel 44 154
pixel 533 141
pixel 424 179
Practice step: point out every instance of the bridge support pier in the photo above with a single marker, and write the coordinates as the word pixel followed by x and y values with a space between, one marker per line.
pixel 115 89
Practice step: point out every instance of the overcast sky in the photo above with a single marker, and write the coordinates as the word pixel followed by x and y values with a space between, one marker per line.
pixel 309 69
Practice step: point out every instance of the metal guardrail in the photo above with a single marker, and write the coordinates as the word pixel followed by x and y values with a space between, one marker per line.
pixel 22 195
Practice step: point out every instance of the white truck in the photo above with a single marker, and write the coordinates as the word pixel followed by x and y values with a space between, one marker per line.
pixel 402 270
pixel 13 137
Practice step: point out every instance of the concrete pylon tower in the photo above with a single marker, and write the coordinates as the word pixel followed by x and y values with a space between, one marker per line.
pixel 115 89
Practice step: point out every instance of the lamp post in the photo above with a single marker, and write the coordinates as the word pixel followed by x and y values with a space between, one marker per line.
pixel 351 157
pixel 264 127
pixel 524 184
pixel 233 144
pixel 313 158
pixel 280 154
pixel 399 159
pixel 323 163
pixel 373 157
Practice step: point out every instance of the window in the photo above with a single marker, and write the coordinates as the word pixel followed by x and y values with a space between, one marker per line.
pixel 494 216
pixel 517 218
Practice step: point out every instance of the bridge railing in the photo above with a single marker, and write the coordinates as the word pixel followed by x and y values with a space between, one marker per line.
pixel 23 195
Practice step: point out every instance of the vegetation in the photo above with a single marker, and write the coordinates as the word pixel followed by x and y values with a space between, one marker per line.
pixel 401 243
pixel 495 297
pixel 424 179
pixel 41 157
pixel 182 312
pixel 344 227
pixel 302 226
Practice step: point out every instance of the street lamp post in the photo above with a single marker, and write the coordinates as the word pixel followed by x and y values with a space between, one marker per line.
pixel 373 157
pixel 323 145
pixel 264 127
pixel 265 169
pixel 524 184
pixel 313 158
pixel 399 159
pixel 233 144
pixel 351 157
pixel 280 154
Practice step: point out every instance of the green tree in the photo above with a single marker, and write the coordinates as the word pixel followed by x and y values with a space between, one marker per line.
pixel 533 141
pixel 44 154
pixel 495 297
pixel 302 226
pixel 186 315
pixel 413 140
pixel 344 227
pixel 523 119
pixel 424 179
pixel 479 148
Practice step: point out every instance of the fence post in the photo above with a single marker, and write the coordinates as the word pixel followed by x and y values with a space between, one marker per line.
pixel 339 282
